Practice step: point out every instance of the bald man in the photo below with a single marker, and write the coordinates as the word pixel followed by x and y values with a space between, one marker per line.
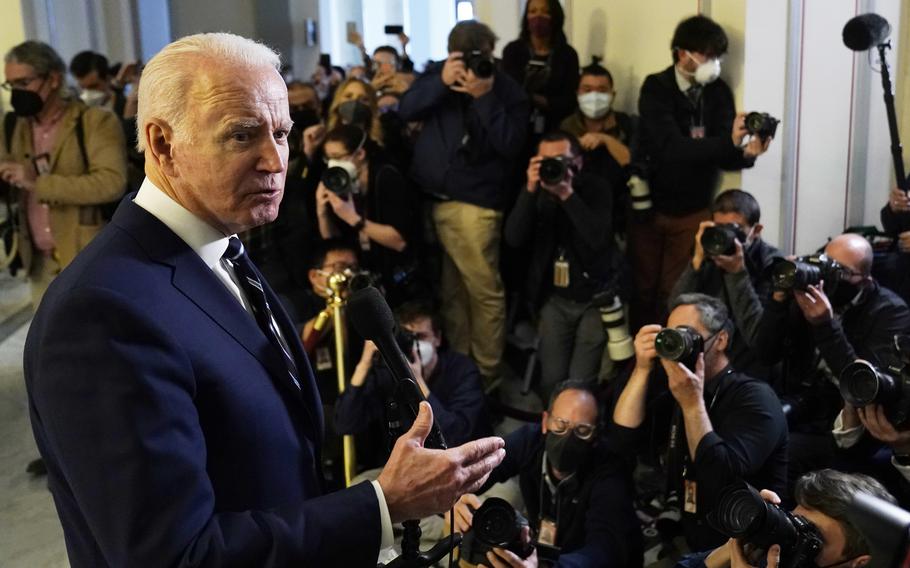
pixel 816 333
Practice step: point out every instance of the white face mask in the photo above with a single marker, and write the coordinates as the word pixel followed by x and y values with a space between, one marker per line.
pixel 595 104
pixel 706 72
pixel 426 350
pixel 93 97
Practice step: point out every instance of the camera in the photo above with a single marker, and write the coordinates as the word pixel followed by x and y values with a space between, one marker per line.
pixel 761 124
pixel 480 63
pixel 861 383
pixel 681 344
pixel 720 239
pixel 338 181
pixel 406 342
pixel 804 271
pixel 553 170
pixel 619 343
pixel 741 513
pixel 496 524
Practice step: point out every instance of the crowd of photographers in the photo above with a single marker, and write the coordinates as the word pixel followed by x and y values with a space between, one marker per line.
pixel 479 194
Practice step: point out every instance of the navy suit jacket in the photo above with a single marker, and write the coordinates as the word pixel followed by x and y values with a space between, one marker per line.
pixel 171 431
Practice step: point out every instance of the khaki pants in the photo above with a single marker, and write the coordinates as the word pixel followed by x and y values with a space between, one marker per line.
pixel 43 269
pixel 473 298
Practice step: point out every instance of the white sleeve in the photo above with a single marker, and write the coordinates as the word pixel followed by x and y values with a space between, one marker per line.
pixel 845 438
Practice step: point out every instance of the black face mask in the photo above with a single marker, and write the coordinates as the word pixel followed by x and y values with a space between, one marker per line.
pixel 304 117
pixel 356 113
pixel 26 103
pixel 844 293
pixel 566 453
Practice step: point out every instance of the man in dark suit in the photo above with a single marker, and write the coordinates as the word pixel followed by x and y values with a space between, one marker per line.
pixel 169 395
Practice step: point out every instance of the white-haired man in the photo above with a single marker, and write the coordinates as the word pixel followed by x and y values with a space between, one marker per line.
pixel 170 398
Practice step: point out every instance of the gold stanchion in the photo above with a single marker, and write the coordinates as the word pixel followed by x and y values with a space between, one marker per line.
pixel 338 284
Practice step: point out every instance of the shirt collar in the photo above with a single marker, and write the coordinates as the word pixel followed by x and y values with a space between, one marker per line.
pixel 681 81
pixel 206 241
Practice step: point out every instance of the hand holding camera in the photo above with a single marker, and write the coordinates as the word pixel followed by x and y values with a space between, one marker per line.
pixel 645 352
pixel 814 304
pixel 875 420
pixel 899 201
pixel 470 73
pixel 365 365
pixel 554 175
pixel 723 243
pixel 313 137
pixel 687 386
pixel 760 125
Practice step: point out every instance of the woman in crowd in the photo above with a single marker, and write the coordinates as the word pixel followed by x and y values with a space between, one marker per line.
pixel 542 60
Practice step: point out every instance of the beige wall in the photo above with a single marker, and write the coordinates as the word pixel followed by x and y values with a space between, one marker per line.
pixel 12 32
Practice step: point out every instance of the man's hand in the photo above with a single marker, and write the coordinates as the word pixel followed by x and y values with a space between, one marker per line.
pixel 738 556
pixel 645 352
pixel 698 257
pixel 464 512
pixel 686 386
pixel 344 208
pixel 323 197
pixel 739 131
pixel 405 40
pixel 732 263
pixel 877 424
pixel 313 137
pixel 18 175
pixel 591 140
pixel 815 305
pixel 453 72
pixel 418 482
pixel 502 558
pixel 898 201
pixel 757 146
pixel 533 174
pixel 474 85
pixel 358 378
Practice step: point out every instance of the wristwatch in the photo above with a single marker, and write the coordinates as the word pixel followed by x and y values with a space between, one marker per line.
pixel 359 225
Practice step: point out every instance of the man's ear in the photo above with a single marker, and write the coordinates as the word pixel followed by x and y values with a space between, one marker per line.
pixel 861 561
pixel 543 421
pixel 756 230
pixel 159 145
pixel 723 340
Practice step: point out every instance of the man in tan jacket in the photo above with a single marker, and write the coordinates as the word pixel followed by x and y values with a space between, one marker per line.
pixel 62 158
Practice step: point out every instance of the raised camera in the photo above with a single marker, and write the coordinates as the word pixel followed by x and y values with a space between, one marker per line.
pixel 721 239
pixel 805 271
pixel 480 63
pixel 681 344
pixel 742 513
pixel 553 170
pixel 337 180
pixel 761 124
pixel 862 383
pixel 496 524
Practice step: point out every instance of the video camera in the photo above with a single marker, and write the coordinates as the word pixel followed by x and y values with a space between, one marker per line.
pixel 862 383
pixel 761 124
pixel 496 524
pixel 681 344
pixel 741 513
pixel 805 271
pixel 720 239
pixel 480 63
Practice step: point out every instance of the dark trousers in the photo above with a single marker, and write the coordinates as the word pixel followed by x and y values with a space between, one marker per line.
pixel 658 251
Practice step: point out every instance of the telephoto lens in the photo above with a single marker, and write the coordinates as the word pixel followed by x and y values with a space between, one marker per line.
pixel 761 124
pixel 482 65
pixel 795 275
pixel 496 524
pixel 721 239
pixel 337 180
pixel 862 383
pixel 619 343
pixel 741 513
pixel 552 170
pixel 681 344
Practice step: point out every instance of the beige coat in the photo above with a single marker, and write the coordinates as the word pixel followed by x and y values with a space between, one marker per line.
pixel 72 192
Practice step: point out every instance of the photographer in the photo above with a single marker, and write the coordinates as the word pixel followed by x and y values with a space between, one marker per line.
pixel 690 131
pixel 726 426
pixel 823 498
pixel 895 217
pixel 570 485
pixel 816 332
pixel 474 126
pixel 368 204
pixel 448 380
pixel 737 276
pixel 568 219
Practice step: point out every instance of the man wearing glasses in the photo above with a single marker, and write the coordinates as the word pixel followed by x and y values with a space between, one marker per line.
pixel 62 160
pixel 577 495
pixel 725 425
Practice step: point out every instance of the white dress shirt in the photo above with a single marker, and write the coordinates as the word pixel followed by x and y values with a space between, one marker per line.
pixel 210 244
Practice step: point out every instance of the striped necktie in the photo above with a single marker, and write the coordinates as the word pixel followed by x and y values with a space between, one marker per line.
pixel 236 256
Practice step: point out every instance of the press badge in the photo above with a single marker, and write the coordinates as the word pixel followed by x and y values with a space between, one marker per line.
pixel 561 271
pixel 547 533
pixel 42 164
pixel 696 132
pixel 691 494
pixel 323 359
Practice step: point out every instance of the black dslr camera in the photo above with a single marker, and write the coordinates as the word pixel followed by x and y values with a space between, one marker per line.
pixel 861 383
pixel 805 271
pixel 720 239
pixel 338 181
pixel 682 344
pixel 496 524
pixel 480 63
pixel 761 124
pixel 741 513
pixel 406 342
pixel 554 170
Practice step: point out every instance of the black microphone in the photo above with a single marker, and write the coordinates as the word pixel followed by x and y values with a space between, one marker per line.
pixel 373 320
pixel 865 31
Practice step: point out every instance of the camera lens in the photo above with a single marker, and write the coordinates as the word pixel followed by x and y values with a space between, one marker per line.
pixel 337 180
pixel 482 67
pixel 861 384
pixel 552 171
pixel 742 513
pixel 680 344
pixel 497 523
pixel 794 274
pixel 718 240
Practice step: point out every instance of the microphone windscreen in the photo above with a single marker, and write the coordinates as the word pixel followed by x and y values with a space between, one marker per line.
pixel 865 31
pixel 370 314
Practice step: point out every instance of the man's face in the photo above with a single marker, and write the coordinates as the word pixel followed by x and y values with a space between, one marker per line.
pixel 560 149
pixel 335 261
pixel 832 533
pixel 572 407
pixel 752 232
pixel 422 328
pixel 92 81
pixel 594 84
pixel 688 315
pixel 384 63
pixel 24 76
pixel 230 168
pixel 845 251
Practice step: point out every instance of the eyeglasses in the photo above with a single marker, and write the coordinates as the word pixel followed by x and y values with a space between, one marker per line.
pixel 338 267
pixel 561 426
pixel 22 83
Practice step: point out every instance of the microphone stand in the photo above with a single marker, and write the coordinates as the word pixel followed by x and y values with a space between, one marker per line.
pixel 337 284
pixel 896 148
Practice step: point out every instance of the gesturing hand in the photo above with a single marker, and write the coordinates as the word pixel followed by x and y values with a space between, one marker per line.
pixel 418 482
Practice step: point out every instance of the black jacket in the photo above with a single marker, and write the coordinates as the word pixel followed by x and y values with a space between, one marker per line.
pixel 581 225
pixel 683 171
pixel 467 149
pixel 597 526
pixel 561 85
